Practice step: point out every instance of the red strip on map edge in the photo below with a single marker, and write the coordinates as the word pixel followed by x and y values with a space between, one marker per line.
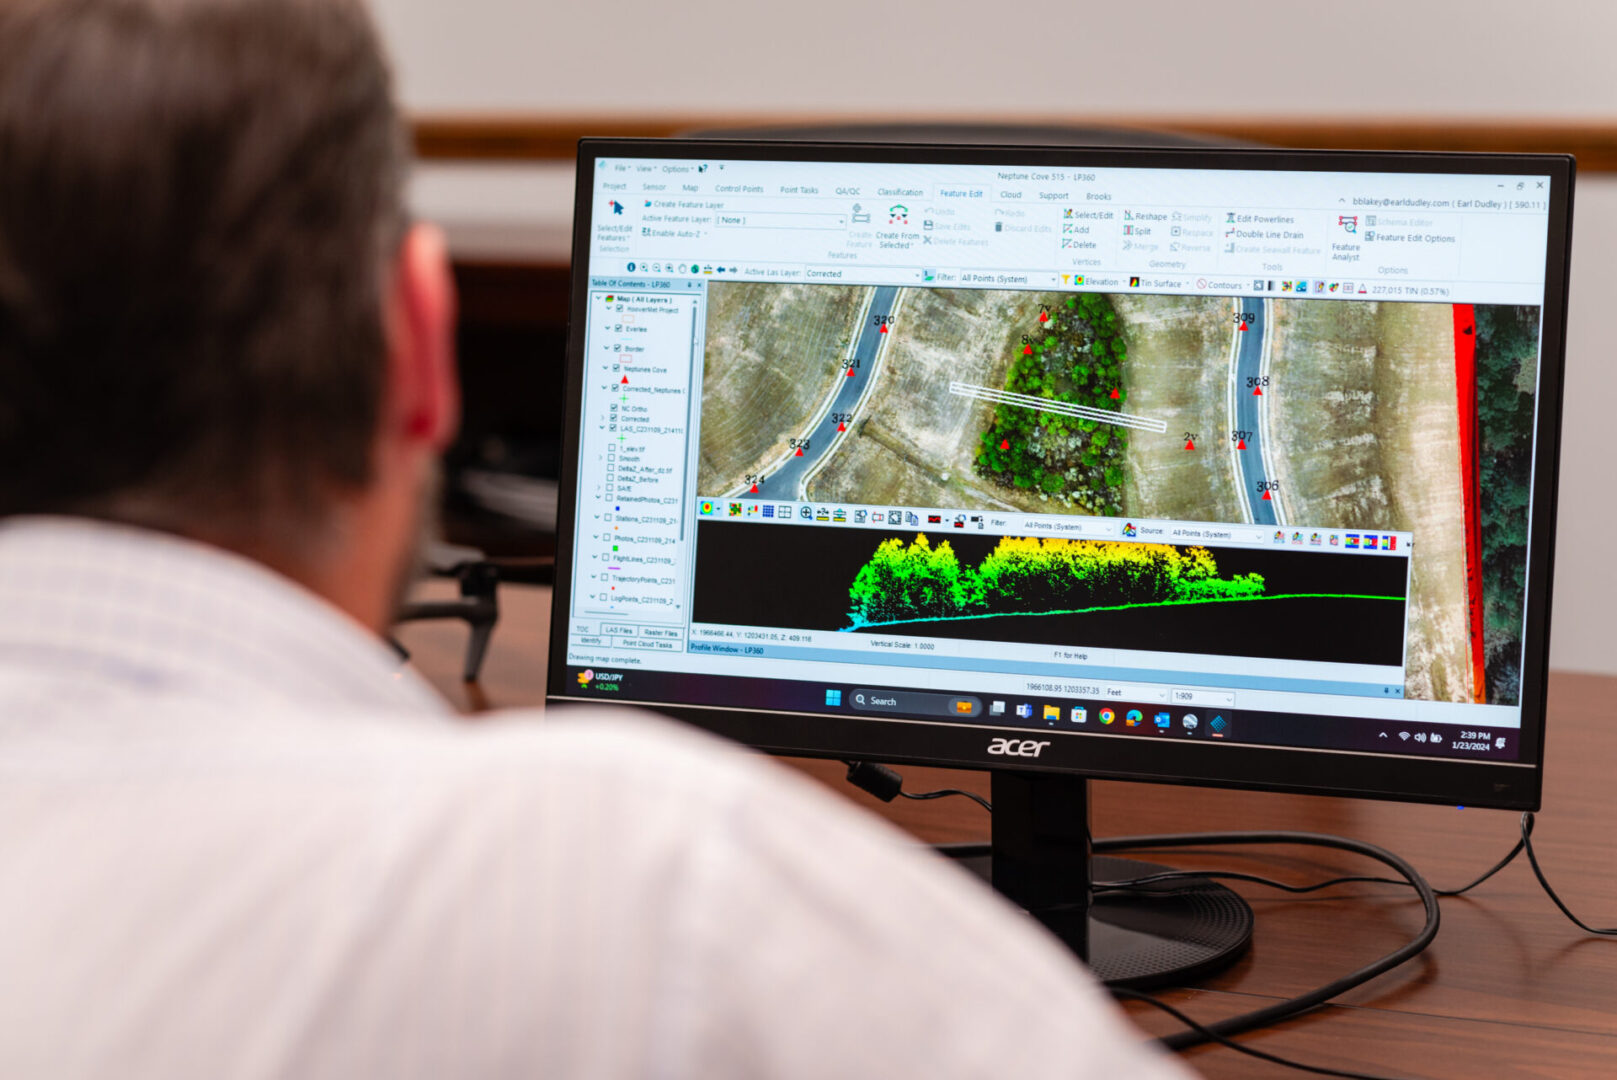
pixel 1465 383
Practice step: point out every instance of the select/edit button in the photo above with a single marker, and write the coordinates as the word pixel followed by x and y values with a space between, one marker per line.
pixel 916 704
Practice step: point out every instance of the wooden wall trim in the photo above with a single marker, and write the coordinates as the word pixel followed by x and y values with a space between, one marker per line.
pixel 495 137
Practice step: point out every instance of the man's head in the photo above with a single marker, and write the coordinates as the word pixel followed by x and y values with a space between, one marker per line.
pixel 214 318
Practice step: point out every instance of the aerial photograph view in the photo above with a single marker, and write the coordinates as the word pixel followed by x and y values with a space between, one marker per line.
pixel 1285 411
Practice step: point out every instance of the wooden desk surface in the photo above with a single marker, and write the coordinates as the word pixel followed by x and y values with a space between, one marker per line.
pixel 1509 989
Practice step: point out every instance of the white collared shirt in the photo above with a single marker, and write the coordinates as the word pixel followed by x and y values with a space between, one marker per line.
pixel 237 841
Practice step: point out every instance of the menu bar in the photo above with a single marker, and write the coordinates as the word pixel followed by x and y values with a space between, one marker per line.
pixel 1320 235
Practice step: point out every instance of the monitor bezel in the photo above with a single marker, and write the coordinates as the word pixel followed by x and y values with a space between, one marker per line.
pixel 1513 785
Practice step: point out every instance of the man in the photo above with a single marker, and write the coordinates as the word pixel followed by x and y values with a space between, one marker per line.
pixel 234 839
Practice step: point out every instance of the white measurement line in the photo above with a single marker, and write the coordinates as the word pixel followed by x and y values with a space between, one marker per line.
pixel 1082 412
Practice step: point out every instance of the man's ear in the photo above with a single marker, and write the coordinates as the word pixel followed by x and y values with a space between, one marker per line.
pixel 423 392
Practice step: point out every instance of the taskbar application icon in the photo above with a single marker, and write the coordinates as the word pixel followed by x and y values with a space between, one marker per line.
pixel 1121 718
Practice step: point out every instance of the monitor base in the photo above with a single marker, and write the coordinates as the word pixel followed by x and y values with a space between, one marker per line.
pixel 1142 941
pixel 1040 857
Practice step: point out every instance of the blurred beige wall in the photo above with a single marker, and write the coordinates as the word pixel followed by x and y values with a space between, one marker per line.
pixel 1374 58
pixel 1342 57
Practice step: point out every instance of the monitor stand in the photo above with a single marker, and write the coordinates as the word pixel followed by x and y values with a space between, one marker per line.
pixel 1040 857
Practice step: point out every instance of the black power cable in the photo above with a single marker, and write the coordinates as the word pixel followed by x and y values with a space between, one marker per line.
pixel 1528 822
pixel 887 784
pixel 1526 844
pixel 942 792
pixel 1314 998
pixel 1213 1036
pixel 1346 879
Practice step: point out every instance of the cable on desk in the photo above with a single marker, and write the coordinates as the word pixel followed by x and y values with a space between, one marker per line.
pixel 1346 879
pixel 1526 844
pixel 1490 872
pixel 1314 998
pixel 1528 822
pixel 887 784
pixel 1213 1036
pixel 1192 876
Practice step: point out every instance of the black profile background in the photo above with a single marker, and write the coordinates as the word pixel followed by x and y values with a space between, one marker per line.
pixel 768 574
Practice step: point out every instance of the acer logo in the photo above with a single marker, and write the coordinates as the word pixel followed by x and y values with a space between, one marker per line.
pixel 1018 747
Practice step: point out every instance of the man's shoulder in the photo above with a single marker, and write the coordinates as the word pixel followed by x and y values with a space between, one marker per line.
pixel 577 871
pixel 603 744
pixel 594 766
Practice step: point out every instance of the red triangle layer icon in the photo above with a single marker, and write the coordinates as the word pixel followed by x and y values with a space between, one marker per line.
pixel 625 380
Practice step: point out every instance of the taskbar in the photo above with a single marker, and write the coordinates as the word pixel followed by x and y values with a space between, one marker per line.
pixel 1034 711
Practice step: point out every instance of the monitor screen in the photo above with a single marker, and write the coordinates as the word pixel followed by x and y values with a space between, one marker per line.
pixel 1208 466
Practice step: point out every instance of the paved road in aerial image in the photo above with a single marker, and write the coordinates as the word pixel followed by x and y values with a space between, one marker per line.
pixel 786 482
pixel 1249 410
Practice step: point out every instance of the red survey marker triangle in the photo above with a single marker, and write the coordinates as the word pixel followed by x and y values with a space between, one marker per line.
pixel 1257 391
pixel 1027 350
pixel 800 454
pixel 1116 395
pixel 1240 444
pixel 754 489
pixel 1004 444
pixel 1044 316
pixel 850 372
pixel 1266 497
pixel 1190 444
pixel 625 380
pixel 884 328
pixel 842 427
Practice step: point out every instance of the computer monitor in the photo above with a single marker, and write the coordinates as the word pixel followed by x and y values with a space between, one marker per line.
pixel 1223 467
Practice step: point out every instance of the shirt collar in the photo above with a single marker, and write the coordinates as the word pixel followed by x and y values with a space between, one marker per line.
pixel 164 613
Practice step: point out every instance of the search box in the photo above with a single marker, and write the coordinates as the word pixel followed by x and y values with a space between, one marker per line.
pixel 916 704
